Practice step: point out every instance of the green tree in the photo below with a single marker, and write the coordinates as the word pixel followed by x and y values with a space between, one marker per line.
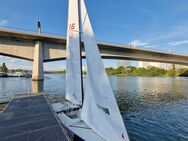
pixel 172 72
pixel 4 68
pixel 183 72
pixel 110 71
pixel 120 70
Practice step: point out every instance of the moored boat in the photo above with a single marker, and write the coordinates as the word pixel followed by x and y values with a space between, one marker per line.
pixel 92 115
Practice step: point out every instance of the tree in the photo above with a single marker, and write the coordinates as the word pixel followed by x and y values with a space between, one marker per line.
pixel 4 68
pixel 172 72
pixel 110 71
pixel 120 69
pixel 183 72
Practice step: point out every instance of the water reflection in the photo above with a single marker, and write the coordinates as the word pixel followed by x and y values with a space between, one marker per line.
pixel 158 89
pixel 37 86
pixel 153 108
pixel 137 93
pixel 155 105
pixel 12 86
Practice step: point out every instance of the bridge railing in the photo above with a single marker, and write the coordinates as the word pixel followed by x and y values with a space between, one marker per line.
pixel 18 29
pixel 136 47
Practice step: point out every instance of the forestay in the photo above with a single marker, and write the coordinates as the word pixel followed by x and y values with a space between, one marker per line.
pixel 100 111
pixel 73 64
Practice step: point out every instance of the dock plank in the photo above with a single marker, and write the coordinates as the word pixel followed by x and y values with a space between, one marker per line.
pixel 30 119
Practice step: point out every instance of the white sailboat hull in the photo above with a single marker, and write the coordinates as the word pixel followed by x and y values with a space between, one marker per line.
pixel 84 132
pixel 75 125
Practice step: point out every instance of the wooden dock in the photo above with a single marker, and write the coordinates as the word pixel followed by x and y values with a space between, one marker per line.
pixel 30 118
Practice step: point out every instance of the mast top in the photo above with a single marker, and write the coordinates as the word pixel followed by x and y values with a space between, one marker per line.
pixel 39 26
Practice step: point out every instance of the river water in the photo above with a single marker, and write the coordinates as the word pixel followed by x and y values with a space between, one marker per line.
pixel 153 108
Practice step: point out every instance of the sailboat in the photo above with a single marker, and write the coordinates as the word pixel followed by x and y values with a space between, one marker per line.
pixel 92 115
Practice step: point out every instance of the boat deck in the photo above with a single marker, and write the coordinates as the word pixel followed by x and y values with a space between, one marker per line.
pixel 30 118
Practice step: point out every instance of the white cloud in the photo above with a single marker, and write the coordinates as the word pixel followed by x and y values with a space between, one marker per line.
pixel 138 43
pixel 177 43
pixel 3 22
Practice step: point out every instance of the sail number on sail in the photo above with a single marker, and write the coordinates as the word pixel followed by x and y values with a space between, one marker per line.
pixel 72 26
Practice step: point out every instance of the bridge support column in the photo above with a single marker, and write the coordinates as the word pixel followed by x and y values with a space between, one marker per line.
pixel 38 72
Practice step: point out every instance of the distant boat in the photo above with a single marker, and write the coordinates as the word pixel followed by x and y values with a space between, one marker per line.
pixel 94 114
pixel 20 74
pixel 17 74
pixel 2 74
pixel 27 75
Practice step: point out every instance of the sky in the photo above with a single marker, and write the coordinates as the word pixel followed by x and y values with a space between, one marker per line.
pixel 152 24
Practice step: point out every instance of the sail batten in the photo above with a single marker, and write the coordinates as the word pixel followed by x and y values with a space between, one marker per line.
pixel 100 111
pixel 73 60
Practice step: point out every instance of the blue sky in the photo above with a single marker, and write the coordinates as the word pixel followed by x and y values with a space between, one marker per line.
pixel 152 24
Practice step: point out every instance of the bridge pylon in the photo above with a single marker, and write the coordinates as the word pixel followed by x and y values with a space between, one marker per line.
pixel 38 71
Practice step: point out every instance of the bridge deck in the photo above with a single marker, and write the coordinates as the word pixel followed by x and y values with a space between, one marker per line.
pixel 30 119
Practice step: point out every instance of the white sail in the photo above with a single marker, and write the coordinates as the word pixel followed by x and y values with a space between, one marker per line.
pixel 100 111
pixel 73 63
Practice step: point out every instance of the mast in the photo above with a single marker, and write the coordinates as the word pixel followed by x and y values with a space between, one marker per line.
pixel 81 70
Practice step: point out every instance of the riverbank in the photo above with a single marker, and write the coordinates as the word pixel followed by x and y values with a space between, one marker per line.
pixel 16 75
pixel 133 71
pixel 55 72
pixel 147 72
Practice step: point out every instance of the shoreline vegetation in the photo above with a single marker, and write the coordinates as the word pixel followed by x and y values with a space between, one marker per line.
pixel 145 72
pixel 56 72
pixel 120 71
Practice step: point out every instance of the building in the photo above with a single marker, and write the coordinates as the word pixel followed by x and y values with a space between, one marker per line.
pixel 154 64
pixel 165 66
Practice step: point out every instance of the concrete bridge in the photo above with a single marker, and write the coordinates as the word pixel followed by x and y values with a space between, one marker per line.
pixel 41 48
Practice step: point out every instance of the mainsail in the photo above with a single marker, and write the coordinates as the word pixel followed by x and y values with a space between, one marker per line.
pixel 73 63
pixel 100 111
